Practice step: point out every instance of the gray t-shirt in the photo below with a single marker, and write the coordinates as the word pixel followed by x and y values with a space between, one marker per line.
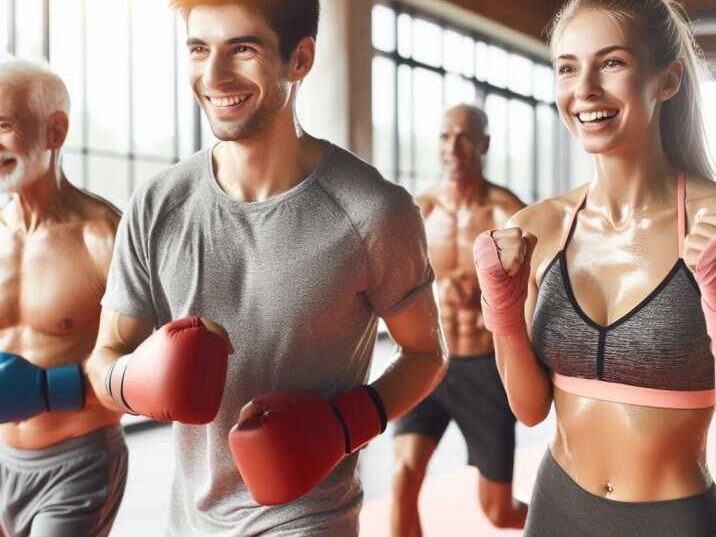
pixel 298 282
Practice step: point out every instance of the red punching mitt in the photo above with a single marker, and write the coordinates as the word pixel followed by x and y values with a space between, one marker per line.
pixel 295 439
pixel 176 374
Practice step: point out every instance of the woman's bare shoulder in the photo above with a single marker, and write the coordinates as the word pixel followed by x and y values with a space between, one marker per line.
pixel 548 217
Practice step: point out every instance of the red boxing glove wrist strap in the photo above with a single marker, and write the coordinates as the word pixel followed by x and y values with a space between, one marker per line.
pixel 362 415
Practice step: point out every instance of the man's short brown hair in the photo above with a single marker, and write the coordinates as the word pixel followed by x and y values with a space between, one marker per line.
pixel 292 20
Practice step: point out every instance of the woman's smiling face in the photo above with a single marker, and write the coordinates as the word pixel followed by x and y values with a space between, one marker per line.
pixel 607 89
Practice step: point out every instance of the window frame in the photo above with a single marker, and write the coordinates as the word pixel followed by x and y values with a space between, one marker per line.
pixel 84 150
pixel 482 87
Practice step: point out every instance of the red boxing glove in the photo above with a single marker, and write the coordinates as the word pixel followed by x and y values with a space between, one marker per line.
pixel 176 374
pixel 295 439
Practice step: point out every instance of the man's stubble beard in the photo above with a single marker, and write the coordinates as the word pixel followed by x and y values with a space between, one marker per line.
pixel 256 123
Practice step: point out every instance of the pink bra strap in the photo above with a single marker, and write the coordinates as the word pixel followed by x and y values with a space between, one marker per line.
pixel 681 211
pixel 572 219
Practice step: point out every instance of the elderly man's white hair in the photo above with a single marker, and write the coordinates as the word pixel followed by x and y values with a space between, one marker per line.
pixel 46 92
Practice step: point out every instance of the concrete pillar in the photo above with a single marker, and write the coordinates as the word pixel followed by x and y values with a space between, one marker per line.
pixel 335 100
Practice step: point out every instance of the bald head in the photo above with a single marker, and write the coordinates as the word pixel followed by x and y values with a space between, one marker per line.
pixel 43 91
pixel 474 115
pixel 463 142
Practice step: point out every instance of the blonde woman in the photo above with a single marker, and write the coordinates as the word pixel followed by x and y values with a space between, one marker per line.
pixel 617 283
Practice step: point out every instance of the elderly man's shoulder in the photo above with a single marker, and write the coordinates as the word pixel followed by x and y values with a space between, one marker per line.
pixel 94 221
pixel 100 218
pixel 504 198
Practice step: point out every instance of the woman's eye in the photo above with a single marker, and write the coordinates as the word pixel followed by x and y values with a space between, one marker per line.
pixel 612 62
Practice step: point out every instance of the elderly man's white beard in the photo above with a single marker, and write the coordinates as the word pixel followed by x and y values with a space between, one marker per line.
pixel 29 168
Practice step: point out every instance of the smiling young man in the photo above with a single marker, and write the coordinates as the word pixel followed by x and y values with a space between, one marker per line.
pixel 293 245
pixel 63 459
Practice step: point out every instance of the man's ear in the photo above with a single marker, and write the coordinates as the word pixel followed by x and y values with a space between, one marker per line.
pixel 302 59
pixel 671 80
pixel 486 145
pixel 57 127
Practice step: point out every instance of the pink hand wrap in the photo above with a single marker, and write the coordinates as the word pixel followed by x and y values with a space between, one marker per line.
pixel 503 296
pixel 705 273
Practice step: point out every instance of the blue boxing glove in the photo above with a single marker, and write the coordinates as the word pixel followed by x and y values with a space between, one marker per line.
pixel 27 390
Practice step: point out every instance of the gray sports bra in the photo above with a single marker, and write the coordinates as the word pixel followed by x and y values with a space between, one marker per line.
pixel 656 355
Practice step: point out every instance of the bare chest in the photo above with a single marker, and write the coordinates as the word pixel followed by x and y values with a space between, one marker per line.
pixel 451 233
pixel 48 283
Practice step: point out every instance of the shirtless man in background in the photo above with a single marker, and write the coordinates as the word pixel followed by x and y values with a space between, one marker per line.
pixel 458 209
pixel 63 459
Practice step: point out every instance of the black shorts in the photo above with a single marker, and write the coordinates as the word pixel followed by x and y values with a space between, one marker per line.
pixel 472 394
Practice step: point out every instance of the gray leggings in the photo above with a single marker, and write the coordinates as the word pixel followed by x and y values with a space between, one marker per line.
pixel 561 508
pixel 70 489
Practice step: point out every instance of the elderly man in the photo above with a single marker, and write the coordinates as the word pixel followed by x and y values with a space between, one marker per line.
pixel 63 459
pixel 458 209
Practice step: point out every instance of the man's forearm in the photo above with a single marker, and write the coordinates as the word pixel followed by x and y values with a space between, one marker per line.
pixel 96 368
pixel 408 379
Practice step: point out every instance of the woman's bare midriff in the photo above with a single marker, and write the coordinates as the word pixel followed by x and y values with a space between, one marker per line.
pixel 632 453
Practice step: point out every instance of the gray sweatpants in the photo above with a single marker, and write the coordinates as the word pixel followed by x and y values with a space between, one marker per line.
pixel 70 489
